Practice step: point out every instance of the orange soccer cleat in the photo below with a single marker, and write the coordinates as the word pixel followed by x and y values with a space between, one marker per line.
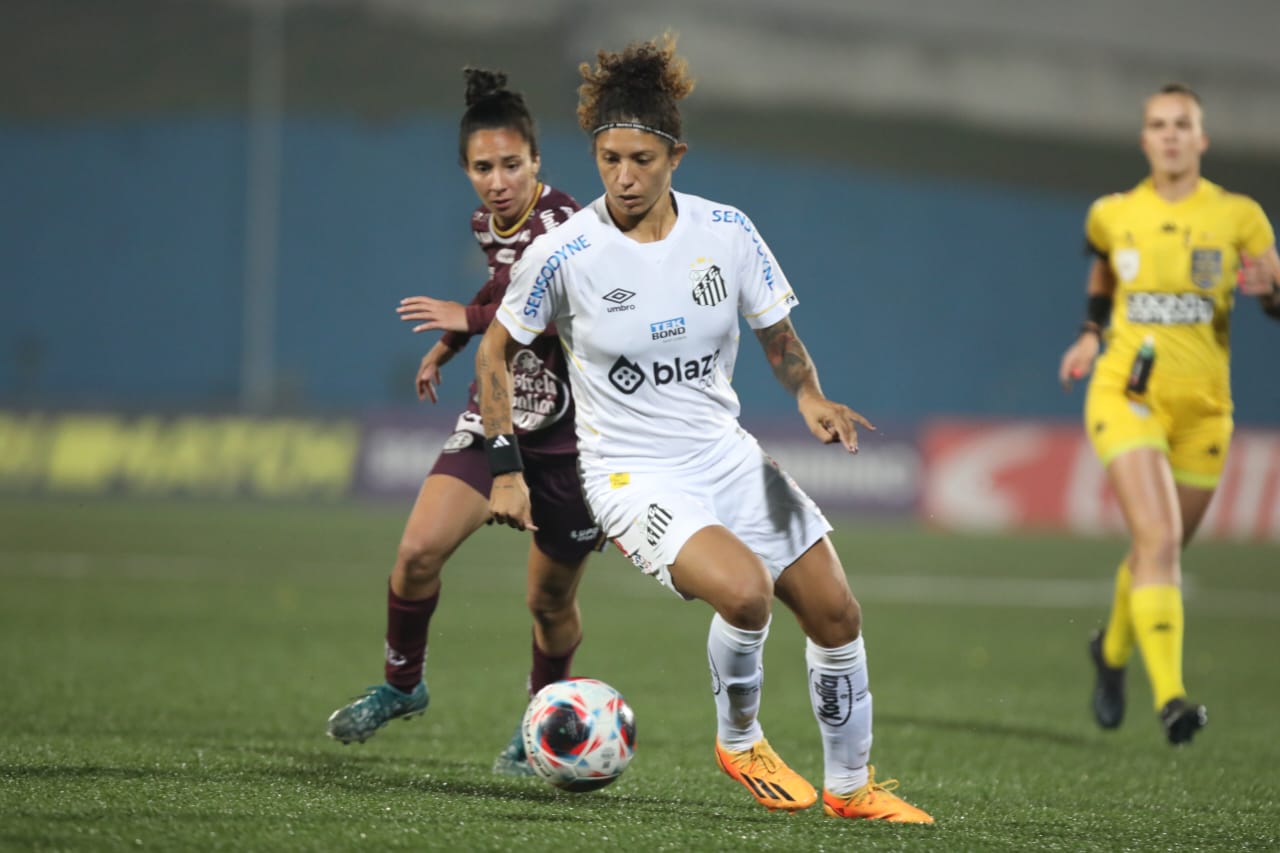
pixel 768 778
pixel 873 801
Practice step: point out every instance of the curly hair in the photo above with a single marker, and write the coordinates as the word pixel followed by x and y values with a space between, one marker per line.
pixel 641 84
pixel 492 106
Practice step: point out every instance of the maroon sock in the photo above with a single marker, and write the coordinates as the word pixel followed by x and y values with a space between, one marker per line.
pixel 407 623
pixel 547 669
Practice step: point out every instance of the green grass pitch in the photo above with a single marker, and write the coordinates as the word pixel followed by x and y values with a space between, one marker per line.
pixel 168 669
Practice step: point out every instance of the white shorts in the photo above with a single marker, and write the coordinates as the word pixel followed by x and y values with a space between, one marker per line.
pixel 650 515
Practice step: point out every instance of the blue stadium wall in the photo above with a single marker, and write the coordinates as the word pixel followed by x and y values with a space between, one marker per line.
pixel 122 265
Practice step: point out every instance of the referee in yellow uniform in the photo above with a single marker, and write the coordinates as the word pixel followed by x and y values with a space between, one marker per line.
pixel 1171 255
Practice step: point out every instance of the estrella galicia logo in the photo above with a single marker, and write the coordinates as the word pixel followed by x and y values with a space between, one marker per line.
pixel 665 330
pixel 626 375
pixel 655 524
pixel 1206 267
pixel 709 288
pixel 620 299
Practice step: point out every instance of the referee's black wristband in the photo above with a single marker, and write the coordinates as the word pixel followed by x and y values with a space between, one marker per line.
pixel 1271 302
pixel 1099 310
pixel 503 453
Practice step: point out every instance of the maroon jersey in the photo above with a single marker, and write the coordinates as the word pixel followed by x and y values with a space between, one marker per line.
pixel 542 408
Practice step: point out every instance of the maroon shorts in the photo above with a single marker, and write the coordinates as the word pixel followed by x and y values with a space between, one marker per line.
pixel 566 531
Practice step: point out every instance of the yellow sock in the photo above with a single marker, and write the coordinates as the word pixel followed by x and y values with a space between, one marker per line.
pixel 1117 640
pixel 1157 623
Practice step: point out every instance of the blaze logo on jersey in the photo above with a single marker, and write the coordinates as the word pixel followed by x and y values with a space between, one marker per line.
pixel 626 375
pixel 655 524
pixel 709 288
pixel 696 369
pixel 1206 267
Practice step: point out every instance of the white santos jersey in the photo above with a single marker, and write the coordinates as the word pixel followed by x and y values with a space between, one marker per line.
pixel 650 329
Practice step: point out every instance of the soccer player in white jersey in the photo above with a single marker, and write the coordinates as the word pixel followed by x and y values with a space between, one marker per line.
pixel 645 287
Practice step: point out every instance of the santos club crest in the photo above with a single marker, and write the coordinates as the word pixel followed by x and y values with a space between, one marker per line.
pixel 709 287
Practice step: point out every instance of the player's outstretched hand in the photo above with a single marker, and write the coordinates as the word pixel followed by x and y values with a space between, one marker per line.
pixel 1077 361
pixel 431 314
pixel 509 502
pixel 832 422
pixel 1253 279
pixel 428 378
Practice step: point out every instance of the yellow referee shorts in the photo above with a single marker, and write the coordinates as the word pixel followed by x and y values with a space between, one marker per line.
pixel 1190 424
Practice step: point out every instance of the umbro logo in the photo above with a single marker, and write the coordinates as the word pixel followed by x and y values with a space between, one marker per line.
pixel 620 298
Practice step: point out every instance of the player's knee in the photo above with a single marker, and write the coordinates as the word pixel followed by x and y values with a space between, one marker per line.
pixel 747 609
pixel 552 607
pixel 837 625
pixel 419 561
pixel 1157 542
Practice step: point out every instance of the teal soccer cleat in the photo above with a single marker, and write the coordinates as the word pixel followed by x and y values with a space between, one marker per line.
pixel 378 706
pixel 513 761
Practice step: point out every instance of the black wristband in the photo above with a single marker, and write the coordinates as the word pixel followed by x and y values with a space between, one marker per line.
pixel 1099 310
pixel 1271 302
pixel 503 453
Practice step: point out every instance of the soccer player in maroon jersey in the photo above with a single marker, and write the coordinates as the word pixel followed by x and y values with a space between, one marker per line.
pixel 498 149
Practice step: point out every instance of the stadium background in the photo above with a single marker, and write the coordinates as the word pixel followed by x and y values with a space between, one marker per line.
pixel 211 208
pixel 208 441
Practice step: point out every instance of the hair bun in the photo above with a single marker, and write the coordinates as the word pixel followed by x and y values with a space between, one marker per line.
pixel 483 83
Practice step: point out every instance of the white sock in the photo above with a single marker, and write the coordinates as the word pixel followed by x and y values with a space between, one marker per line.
pixel 841 703
pixel 737 674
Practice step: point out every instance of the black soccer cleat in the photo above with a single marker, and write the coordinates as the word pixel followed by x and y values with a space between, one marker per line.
pixel 1182 719
pixel 1108 687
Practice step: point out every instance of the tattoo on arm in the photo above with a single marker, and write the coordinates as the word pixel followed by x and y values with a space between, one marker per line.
pixel 493 385
pixel 787 356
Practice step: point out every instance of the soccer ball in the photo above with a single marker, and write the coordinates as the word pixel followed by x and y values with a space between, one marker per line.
pixel 579 734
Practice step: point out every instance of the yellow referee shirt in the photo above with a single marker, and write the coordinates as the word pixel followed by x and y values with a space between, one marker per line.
pixel 1175 266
